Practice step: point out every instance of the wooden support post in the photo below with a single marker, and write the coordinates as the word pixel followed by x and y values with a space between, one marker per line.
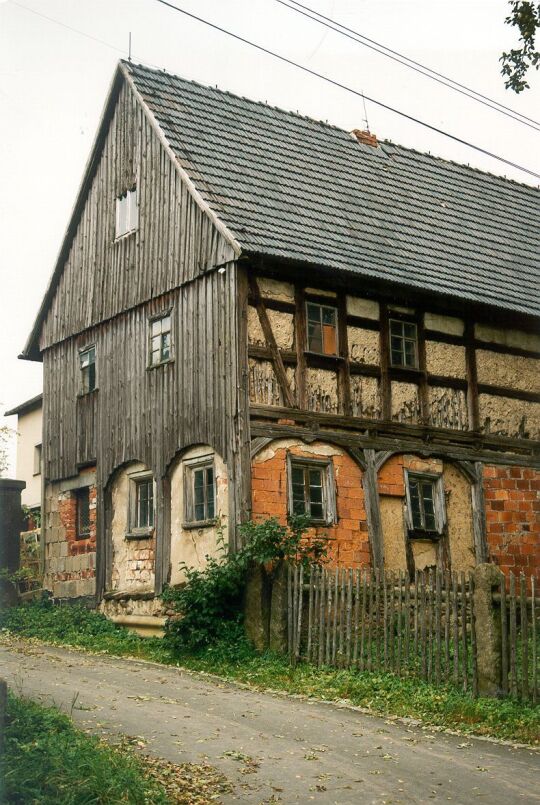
pixel 373 512
pixel 479 515
pixel 385 364
pixel 344 375
pixel 301 343
pixel 277 360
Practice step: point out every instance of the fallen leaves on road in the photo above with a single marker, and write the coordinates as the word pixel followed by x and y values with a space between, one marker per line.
pixel 185 783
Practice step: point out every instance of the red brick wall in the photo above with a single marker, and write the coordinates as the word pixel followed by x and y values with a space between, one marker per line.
pixel 68 518
pixel 348 538
pixel 512 496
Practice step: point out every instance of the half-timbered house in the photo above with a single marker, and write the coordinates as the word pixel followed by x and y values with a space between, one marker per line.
pixel 255 314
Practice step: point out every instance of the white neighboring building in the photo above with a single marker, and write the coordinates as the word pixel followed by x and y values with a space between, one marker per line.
pixel 29 464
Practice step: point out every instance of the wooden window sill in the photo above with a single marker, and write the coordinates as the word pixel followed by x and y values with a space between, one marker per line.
pixel 199 524
pixel 157 365
pixel 140 533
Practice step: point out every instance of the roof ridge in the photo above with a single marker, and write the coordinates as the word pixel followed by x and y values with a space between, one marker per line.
pixel 333 126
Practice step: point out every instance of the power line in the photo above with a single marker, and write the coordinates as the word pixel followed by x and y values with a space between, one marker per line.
pixel 348 89
pixel 422 69
pixel 76 30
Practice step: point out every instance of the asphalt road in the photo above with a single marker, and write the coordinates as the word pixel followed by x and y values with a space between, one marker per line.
pixel 272 748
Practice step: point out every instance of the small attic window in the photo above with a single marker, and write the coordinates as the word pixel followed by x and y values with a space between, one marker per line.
pixel 127 213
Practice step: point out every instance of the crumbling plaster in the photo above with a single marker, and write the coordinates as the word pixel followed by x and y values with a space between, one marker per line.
pixel 192 546
pixel 322 390
pixel 508 417
pixel 405 402
pixel 512 371
pixel 363 345
pixel 132 559
pixel 447 360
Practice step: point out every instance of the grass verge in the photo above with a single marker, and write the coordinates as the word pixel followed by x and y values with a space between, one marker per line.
pixel 384 694
pixel 50 762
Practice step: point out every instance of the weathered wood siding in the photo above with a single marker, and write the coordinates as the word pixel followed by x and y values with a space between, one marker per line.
pixel 175 240
pixel 106 294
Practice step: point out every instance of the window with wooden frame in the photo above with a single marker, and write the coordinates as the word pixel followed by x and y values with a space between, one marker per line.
pixel 199 492
pixel 403 343
pixel 82 498
pixel 426 510
pixel 311 489
pixel 127 213
pixel 160 339
pixel 321 328
pixel 87 361
pixel 141 505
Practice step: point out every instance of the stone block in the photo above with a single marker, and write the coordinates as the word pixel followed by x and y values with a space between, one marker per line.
pixel 487 579
pixel 277 637
pixel 257 603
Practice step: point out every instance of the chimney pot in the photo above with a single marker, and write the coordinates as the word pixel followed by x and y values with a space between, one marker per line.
pixel 365 137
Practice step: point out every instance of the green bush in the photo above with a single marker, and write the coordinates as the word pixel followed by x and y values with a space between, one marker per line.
pixel 209 604
pixel 75 625
pixel 48 761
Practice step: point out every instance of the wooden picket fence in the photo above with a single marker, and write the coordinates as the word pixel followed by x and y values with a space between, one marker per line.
pixel 375 621
pixel 520 636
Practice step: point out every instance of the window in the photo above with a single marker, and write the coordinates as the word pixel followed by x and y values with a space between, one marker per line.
pixel 425 504
pixel 127 213
pixel 311 490
pixel 83 513
pixel 88 369
pixel 200 502
pixel 403 344
pixel 37 459
pixel 144 504
pixel 321 329
pixel 160 340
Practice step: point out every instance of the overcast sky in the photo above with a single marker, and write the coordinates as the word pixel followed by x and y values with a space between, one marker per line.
pixel 53 84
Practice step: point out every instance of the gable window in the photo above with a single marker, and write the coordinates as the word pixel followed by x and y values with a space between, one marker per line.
pixel 425 504
pixel 37 459
pixel 321 328
pixel 311 490
pixel 403 344
pixel 87 360
pixel 82 497
pixel 160 339
pixel 127 213
pixel 200 492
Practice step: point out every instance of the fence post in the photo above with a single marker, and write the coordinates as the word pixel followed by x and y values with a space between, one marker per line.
pixel 257 595
pixel 487 580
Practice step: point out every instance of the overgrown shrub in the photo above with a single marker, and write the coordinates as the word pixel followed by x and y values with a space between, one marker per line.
pixel 209 604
